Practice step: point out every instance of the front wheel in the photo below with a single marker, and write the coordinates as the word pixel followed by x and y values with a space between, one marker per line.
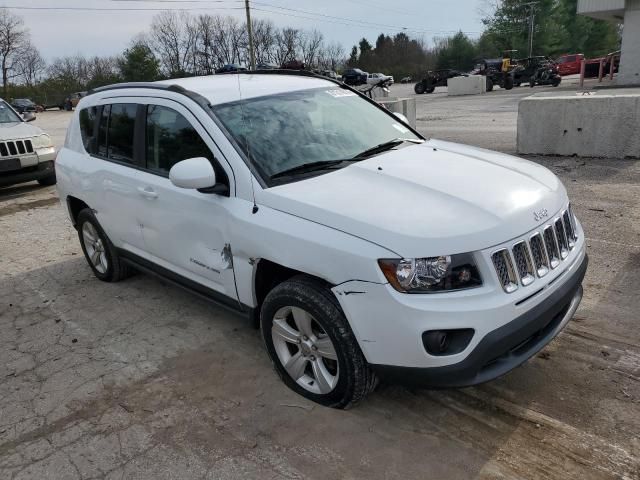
pixel 312 346
pixel 431 89
pixel 532 82
pixel 489 85
pixel 556 81
pixel 419 88
pixel 47 181
pixel 508 83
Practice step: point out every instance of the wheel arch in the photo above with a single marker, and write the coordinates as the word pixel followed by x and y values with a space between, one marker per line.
pixel 266 276
pixel 75 206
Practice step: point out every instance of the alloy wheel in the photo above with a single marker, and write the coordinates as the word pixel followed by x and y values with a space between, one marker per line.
pixel 305 350
pixel 94 247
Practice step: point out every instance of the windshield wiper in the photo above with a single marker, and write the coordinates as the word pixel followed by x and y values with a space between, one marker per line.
pixel 310 167
pixel 383 147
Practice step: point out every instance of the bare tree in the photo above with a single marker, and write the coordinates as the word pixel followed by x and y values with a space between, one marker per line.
pixel 287 41
pixel 172 37
pixel 331 56
pixel 264 40
pixel 30 66
pixel 14 37
pixel 310 45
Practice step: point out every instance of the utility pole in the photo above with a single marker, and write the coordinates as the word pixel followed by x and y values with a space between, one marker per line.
pixel 252 55
pixel 532 19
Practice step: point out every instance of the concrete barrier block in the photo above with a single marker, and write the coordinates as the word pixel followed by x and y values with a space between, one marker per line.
pixel 405 106
pixel 471 85
pixel 605 125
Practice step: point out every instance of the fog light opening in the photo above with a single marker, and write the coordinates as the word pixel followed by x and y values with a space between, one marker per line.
pixel 446 342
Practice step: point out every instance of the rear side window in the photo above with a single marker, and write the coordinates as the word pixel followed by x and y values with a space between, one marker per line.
pixel 102 131
pixel 87 128
pixel 122 122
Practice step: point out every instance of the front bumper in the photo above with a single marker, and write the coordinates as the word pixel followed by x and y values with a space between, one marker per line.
pixel 28 174
pixel 504 348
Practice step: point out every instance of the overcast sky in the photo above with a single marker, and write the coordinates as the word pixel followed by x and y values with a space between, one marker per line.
pixel 65 32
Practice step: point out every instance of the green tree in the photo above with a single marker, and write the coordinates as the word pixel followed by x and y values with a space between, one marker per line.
pixel 457 52
pixel 139 64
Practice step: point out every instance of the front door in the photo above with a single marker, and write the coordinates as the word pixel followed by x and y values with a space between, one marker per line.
pixel 184 230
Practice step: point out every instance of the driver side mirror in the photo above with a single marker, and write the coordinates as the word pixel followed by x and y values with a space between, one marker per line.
pixel 28 116
pixel 193 173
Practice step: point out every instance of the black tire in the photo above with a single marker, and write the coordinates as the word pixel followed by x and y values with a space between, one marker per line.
pixel 532 82
pixel 46 181
pixel 508 83
pixel 419 88
pixel 556 81
pixel 116 269
pixel 430 89
pixel 489 85
pixel 356 379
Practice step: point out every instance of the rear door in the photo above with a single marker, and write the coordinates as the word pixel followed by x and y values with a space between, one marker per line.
pixel 116 175
pixel 184 230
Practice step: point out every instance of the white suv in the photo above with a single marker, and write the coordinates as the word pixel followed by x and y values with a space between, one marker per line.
pixel 362 250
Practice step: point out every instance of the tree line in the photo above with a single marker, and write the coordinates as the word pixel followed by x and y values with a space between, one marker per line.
pixel 178 44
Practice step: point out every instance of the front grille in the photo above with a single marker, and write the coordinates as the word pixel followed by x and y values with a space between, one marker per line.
pixel 13 148
pixel 544 250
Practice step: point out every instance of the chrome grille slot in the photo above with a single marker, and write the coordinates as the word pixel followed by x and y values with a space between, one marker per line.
pixel 504 268
pixel 524 264
pixel 572 220
pixel 3 149
pixel 561 236
pixel 568 228
pixel 552 246
pixel 29 146
pixel 20 147
pixel 12 148
pixel 539 254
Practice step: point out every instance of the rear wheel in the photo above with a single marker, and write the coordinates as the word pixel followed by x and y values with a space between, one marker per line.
pixel 311 344
pixel 430 89
pixel 100 253
pixel 556 81
pixel 419 88
pixel 508 83
pixel 532 82
pixel 489 85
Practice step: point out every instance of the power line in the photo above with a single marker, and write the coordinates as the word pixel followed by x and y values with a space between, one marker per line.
pixel 118 9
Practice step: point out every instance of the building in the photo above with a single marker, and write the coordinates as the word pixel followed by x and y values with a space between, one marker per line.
pixel 626 12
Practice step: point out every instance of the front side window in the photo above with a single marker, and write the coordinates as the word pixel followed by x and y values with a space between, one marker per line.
pixel 170 139
pixel 7 114
pixel 102 131
pixel 284 131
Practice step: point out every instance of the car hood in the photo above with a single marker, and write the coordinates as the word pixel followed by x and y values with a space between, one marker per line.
pixel 425 200
pixel 11 131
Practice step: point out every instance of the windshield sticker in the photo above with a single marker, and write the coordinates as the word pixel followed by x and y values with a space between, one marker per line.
pixel 400 128
pixel 340 93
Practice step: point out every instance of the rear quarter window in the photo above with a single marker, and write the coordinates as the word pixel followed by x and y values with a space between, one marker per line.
pixel 87 128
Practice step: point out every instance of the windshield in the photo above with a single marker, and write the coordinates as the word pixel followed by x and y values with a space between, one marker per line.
pixel 7 115
pixel 287 130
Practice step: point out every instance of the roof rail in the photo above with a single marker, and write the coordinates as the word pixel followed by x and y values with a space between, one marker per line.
pixel 153 85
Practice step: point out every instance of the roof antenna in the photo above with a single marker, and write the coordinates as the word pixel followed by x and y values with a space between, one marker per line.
pixel 254 210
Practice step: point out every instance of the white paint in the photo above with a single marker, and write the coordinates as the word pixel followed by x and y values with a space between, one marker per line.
pixel 471 85
pixel 604 125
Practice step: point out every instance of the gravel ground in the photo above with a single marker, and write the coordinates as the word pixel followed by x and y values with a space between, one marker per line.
pixel 141 380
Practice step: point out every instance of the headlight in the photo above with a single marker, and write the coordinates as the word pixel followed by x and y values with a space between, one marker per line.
pixel 42 141
pixel 431 274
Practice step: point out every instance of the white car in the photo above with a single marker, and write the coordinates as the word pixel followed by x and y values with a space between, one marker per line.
pixel 362 250
pixel 375 78
pixel 26 152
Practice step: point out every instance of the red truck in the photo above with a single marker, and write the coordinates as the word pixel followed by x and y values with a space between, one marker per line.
pixel 569 64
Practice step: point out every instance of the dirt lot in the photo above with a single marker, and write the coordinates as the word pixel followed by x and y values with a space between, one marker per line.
pixel 141 380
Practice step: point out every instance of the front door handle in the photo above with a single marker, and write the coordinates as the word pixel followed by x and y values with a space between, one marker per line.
pixel 147 192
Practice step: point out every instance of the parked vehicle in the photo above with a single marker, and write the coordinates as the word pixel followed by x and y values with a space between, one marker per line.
pixel 569 64
pixel 526 69
pixel 435 78
pixel 492 69
pixel 26 152
pixel 230 68
pixel 546 73
pixel 22 105
pixel 376 78
pixel 361 249
pixel 293 65
pixel 71 101
pixel 354 77
pixel 406 80
pixel 330 74
pixel 266 66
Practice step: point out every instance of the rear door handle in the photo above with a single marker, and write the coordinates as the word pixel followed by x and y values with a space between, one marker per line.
pixel 147 192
